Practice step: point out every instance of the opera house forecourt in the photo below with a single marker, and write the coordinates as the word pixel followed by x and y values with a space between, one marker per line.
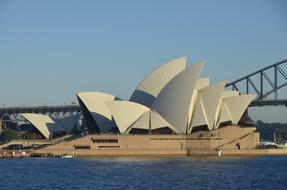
pixel 173 111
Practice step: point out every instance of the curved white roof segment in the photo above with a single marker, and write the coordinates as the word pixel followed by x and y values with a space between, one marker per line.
pixel 126 113
pixel 211 97
pixel 200 84
pixel 151 86
pixel 208 105
pixel 142 123
pixel 199 115
pixel 224 114
pixel 157 122
pixel 150 120
pixel 237 105
pixel 174 100
pixel 95 102
pixel 43 123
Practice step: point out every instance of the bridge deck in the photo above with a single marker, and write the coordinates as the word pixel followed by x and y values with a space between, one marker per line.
pixel 40 109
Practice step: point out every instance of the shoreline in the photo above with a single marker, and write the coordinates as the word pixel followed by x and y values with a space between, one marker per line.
pixel 211 153
pixel 203 154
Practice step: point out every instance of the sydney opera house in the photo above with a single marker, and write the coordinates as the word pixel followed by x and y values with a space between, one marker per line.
pixel 172 111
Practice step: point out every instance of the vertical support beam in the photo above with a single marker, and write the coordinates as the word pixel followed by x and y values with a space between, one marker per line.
pixel 261 85
pixel 247 85
pixel 276 82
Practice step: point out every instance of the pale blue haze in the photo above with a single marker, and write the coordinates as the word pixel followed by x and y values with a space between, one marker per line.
pixel 49 50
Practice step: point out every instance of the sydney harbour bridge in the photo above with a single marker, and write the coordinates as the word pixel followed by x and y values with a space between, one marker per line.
pixel 265 83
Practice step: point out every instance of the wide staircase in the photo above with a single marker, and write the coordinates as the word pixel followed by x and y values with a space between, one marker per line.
pixel 233 141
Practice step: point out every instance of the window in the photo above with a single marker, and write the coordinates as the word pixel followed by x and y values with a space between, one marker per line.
pixel 105 140
pixel 83 147
pixel 103 147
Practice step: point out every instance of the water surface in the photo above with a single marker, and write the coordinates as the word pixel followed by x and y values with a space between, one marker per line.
pixel 145 173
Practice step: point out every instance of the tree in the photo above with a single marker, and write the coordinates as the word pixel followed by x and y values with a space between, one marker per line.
pixel 8 134
pixel 260 122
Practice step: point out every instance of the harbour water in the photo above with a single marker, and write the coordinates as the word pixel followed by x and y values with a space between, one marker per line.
pixel 264 172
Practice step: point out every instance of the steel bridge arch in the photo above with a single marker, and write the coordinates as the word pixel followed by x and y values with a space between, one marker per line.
pixel 272 82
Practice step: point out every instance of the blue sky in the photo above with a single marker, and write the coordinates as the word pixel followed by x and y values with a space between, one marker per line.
pixel 49 50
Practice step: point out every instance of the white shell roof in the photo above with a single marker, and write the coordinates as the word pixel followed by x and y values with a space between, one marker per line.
pixel 200 84
pixel 96 104
pixel 237 105
pixel 208 105
pixel 43 123
pixel 126 113
pixel 224 114
pixel 142 123
pixel 171 96
pixel 151 86
pixel 174 100
pixel 158 122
